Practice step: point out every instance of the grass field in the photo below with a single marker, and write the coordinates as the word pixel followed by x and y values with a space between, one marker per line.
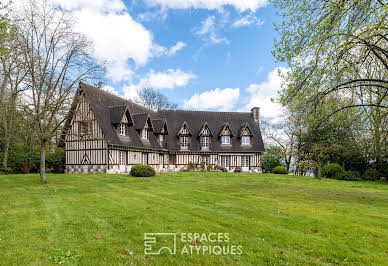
pixel 101 219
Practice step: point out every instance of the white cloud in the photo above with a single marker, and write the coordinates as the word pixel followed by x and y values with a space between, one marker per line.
pixel 247 20
pixel 160 50
pixel 260 95
pixel 169 79
pixel 110 90
pixel 207 31
pixel 119 41
pixel 223 100
pixel 178 46
pixel 240 5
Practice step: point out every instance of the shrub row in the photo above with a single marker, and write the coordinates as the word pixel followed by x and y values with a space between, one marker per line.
pixel 335 171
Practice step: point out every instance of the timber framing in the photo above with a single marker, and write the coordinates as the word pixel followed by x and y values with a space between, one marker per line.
pixel 106 133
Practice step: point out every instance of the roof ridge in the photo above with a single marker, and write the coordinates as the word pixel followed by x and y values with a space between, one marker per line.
pixel 119 105
pixel 202 111
pixel 142 113
pixel 114 95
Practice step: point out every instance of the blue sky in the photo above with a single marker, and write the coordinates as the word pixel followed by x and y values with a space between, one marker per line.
pixel 202 54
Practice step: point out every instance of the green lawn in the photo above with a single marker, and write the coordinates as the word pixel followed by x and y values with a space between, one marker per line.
pixel 101 219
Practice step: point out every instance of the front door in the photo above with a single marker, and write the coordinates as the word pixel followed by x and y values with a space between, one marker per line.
pixel 225 162
pixel 123 161
pixel 245 163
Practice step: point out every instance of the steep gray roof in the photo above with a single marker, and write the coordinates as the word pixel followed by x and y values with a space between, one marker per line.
pixel 216 121
pixel 116 113
pixel 109 109
pixel 157 125
pixel 140 120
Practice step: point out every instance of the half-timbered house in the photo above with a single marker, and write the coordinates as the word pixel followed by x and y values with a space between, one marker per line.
pixel 106 133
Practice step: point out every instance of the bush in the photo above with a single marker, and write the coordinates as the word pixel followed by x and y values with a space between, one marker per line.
pixel 6 170
pixel 142 170
pixel 371 174
pixel 203 166
pixel 56 161
pixel 332 170
pixel 216 168
pixel 280 170
pixel 348 175
pixel 191 167
pixel 223 169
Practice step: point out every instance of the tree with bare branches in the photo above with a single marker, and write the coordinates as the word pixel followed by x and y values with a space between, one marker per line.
pixel 154 100
pixel 56 59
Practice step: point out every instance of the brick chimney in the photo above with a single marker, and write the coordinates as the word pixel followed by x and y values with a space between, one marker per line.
pixel 256 114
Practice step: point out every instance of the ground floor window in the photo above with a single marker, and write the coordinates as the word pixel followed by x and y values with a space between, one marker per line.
pixel 205 159
pixel 225 161
pixel 161 159
pixel 245 162
pixel 144 158
pixel 123 158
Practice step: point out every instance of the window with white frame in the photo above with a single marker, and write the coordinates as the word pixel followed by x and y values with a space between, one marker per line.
pixel 161 138
pixel 144 133
pixel 245 140
pixel 123 158
pixel 225 140
pixel 205 159
pixel 205 142
pixel 122 129
pixel 184 141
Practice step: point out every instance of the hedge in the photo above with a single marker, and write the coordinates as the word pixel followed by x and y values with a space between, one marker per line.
pixel 280 170
pixel 142 170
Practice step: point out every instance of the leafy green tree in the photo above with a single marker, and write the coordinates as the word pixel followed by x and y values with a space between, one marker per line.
pixel 338 46
pixel 272 158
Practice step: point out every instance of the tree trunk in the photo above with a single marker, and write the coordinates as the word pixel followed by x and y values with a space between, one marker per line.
pixel 26 166
pixel 6 150
pixel 318 174
pixel 43 178
pixel 8 135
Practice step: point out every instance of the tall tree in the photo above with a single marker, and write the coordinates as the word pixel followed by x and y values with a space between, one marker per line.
pixel 13 74
pixel 330 47
pixel 56 58
pixel 154 100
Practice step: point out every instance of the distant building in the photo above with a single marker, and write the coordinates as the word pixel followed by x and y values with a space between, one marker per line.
pixel 106 133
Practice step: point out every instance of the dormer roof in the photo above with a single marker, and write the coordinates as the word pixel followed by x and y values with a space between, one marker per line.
pixel 160 126
pixel 141 121
pixel 117 113
pixel 226 130
pixel 205 130
pixel 245 130
pixel 184 129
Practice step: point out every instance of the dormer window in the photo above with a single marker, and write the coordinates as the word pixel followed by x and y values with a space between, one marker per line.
pixel 205 133
pixel 144 133
pixel 245 140
pixel 225 135
pixel 184 134
pixel 161 139
pixel 205 142
pixel 245 134
pixel 225 140
pixel 184 142
pixel 122 129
